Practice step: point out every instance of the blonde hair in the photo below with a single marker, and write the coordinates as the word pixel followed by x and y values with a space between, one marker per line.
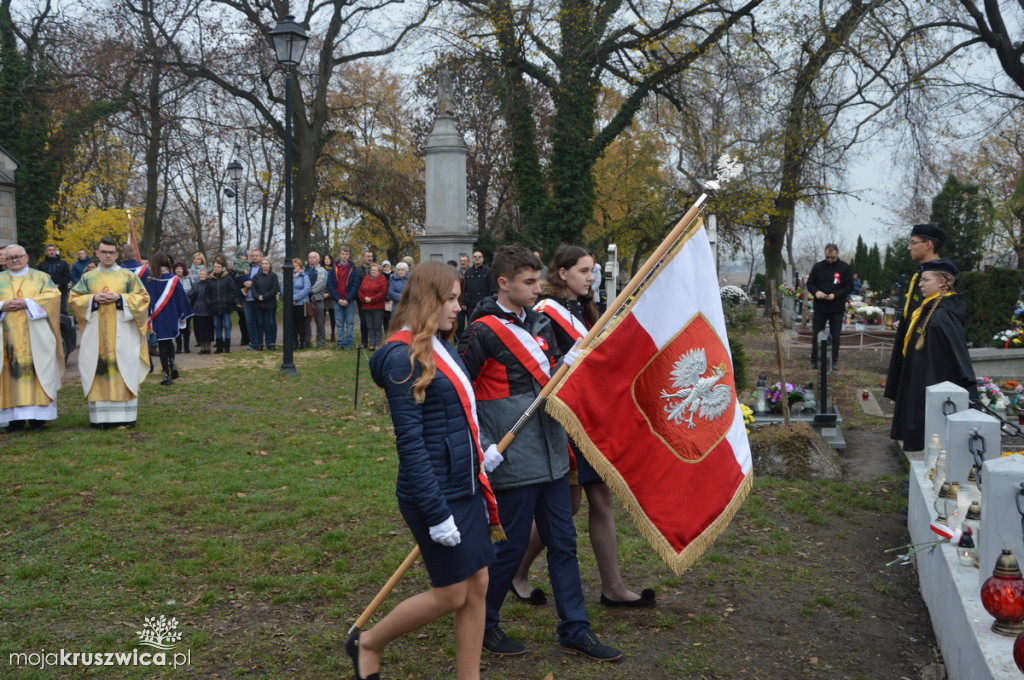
pixel 429 286
pixel 948 280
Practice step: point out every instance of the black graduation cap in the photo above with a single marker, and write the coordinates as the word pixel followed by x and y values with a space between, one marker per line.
pixel 929 231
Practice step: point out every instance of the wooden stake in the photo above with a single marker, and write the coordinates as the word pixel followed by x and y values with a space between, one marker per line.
pixel 784 399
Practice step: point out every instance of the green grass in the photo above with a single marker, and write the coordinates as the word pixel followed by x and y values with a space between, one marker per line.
pixel 259 510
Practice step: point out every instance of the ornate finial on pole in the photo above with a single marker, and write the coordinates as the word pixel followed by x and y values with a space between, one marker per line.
pixel 728 169
pixel 445 94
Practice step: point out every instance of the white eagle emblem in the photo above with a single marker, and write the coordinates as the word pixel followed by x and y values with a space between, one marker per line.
pixel 695 394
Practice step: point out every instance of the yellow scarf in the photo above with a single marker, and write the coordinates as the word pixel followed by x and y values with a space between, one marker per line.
pixel 916 316
pixel 910 295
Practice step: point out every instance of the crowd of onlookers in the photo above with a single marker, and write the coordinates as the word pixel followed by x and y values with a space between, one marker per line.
pixel 328 296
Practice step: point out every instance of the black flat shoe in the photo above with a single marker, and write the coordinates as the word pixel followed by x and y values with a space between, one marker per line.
pixel 352 647
pixel 647 599
pixel 536 597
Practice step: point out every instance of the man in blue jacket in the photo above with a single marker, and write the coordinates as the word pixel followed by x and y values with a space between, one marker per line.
pixel 343 286
pixel 78 268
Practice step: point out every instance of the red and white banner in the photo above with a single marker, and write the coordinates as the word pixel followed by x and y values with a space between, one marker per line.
pixel 652 404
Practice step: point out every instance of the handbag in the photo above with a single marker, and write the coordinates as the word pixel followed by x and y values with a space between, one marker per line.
pixel 309 309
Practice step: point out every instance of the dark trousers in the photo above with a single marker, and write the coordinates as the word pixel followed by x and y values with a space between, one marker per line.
pixel 166 355
pixel 835 325
pixel 299 323
pixel 550 506
pixel 266 328
pixel 374 326
pixel 364 334
pixel 243 325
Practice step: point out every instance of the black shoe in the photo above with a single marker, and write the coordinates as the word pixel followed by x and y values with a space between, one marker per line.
pixel 167 379
pixel 592 648
pixel 352 648
pixel 647 599
pixel 36 425
pixel 536 597
pixel 835 365
pixel 174 370
pixel 496 642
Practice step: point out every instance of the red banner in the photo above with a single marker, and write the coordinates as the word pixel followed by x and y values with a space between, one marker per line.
pixel 652 404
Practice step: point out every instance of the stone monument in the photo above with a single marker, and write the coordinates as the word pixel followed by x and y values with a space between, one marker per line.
pixel 447 231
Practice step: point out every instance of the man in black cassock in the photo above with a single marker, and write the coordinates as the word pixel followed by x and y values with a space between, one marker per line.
pixel 934 352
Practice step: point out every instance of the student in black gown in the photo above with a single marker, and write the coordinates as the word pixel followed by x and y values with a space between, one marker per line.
pixel 934 350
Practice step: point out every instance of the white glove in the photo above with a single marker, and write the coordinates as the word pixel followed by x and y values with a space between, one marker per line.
pixel 572 355
pixel 446 533
pixel 492 458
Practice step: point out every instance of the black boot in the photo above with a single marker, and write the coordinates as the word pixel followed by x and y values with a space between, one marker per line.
pixel 167 379
pixel 177 343
pixel 188 337
pixel 174 369
pixel 220 347
pixel 227 345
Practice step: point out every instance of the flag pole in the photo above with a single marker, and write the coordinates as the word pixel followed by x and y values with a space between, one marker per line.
pixel 727 170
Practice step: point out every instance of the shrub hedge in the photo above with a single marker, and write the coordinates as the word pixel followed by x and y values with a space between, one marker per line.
pixel 991 297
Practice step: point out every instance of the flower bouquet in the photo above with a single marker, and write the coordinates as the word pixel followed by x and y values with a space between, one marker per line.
pixel 1008 339
pixel 794 395
pixel 732 295
pixel 991 395
pixel 871 315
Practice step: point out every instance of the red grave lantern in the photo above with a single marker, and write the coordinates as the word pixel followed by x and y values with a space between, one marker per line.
pixel 1002 595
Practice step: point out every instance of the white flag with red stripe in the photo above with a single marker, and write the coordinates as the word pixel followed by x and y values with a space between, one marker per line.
pixel 652 404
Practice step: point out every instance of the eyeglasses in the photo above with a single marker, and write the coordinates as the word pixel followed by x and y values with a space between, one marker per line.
pixel 17 257
pixel 914 243
pixel 107 252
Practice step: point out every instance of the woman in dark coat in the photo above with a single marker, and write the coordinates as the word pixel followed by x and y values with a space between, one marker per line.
pixel 264 296
pixel 441 489
pixel 202 322
pixel 934 351
pixel 222 298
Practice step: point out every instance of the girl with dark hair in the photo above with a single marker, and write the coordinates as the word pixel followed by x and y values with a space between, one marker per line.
pixel 568 300
pixel 169 309
pixel 443 494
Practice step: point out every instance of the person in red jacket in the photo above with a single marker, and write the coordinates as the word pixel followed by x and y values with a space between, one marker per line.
pixel 372 292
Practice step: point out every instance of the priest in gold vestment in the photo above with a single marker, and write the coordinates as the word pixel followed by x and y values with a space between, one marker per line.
pixel 112 308
pixel 31 351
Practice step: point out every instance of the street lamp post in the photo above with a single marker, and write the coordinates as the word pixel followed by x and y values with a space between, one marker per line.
pixel 235 173
pixel 290 40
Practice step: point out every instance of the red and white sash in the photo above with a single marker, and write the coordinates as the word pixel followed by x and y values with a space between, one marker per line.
pixel 450 368
pixel 526 348
pixel 165 297
pixel 555 311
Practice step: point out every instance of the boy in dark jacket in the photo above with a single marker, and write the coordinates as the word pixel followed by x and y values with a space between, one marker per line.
pixel 510 354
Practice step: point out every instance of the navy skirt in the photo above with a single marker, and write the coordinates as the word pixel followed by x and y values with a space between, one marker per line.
pixel 585 472
pixel 448 566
